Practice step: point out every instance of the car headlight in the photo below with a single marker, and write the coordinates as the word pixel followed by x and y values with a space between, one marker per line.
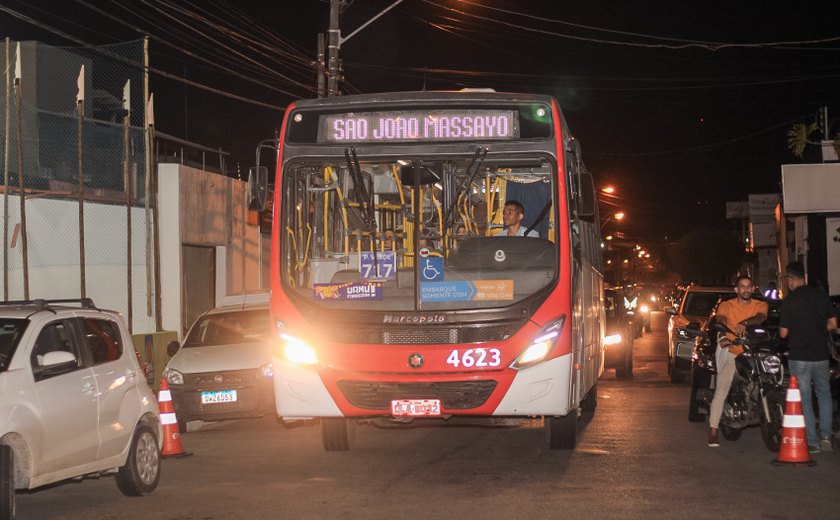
pixel 265 371
pixel 612 339
pixel 644 308
pixel 173 377
pixel 541 346
pixel 771 363
pixel 297 351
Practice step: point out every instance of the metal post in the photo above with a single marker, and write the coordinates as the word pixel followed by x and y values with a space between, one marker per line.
pixel 80 110
pixel 127 180
pixel 22 186
pixel 154 194
pixel 8 104
pixel 146 185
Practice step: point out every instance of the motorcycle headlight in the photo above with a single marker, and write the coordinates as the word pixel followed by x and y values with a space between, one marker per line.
pixel 541 346
pixel 644 308
pixel 771 363
pixel 173 377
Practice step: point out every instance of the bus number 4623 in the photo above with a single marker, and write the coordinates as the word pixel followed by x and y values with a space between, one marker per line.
pixel 475 357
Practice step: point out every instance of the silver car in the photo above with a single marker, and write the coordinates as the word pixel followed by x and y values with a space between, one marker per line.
pixel 223 368
pixel 73 400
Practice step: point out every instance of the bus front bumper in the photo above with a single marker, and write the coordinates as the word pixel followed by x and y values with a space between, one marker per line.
pixel 542 389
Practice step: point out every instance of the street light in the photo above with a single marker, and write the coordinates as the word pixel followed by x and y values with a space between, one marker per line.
pixel 618 216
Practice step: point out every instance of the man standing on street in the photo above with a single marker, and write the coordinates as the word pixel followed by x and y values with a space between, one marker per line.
pixel 737 314
pixel 805 317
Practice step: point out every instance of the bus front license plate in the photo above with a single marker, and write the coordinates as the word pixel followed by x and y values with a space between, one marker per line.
pixel 415 407
pixel 219 396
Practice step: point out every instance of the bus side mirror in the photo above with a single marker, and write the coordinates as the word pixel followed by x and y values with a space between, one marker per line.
pixel 257 188
pixel 586 201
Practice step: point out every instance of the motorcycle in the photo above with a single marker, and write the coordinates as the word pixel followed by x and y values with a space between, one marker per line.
pixel 757 394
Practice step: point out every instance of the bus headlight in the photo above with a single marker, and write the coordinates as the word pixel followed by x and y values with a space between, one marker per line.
pixel 541 346
pixel 612 339
pixel 296 351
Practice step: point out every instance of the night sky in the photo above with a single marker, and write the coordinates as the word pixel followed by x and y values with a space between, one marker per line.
pixel 679 127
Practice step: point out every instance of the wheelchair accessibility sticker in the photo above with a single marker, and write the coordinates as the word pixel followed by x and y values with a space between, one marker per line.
pixel 431 269
pixel 473 290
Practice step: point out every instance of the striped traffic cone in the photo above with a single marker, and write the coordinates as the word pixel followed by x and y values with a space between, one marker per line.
pixel 172 448
pixel 793 449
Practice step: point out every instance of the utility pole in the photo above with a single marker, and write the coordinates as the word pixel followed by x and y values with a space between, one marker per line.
pixel 319 66
pixel 334 37
pixel 335 40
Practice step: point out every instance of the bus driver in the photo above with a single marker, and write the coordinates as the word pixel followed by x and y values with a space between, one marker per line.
pixel 512 217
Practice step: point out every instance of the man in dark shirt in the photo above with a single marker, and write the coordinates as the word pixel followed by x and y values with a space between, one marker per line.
pixel 805 317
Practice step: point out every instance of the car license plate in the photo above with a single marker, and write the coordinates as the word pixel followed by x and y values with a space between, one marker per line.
pixel 218 396
pixel 415 407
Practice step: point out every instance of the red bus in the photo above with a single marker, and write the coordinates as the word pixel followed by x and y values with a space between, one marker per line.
pixel 397 291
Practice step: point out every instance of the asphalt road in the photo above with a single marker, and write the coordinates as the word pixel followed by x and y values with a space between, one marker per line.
pixel 637 457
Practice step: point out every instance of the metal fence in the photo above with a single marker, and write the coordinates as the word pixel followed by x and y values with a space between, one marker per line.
pixel 84 224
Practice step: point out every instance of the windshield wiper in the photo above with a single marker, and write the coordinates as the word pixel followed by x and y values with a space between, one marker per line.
pixel 472 169
pixel 362 194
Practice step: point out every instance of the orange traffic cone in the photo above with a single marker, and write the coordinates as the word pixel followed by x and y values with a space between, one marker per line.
pixel 172 448
pixel 794 446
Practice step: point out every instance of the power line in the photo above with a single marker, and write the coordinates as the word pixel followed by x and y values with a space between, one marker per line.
pixel 180 49
pixel 136 63
pixel 712 146
pixel 712 46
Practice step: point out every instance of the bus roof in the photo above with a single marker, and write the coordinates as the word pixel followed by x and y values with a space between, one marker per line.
pixel 428 96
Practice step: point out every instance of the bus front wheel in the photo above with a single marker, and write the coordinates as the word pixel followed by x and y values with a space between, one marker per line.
pixel 338 433
pixel 561 432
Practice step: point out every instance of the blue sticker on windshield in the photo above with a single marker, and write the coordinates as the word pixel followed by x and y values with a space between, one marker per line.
pixel 381 266
pixel 431 269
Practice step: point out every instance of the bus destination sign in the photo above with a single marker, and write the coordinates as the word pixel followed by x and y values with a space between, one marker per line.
pixel 418 126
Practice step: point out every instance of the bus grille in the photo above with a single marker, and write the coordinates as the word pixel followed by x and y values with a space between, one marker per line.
pixel 417 335
pixel 454 395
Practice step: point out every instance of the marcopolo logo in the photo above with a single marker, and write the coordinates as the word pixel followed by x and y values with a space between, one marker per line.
pixel 414 319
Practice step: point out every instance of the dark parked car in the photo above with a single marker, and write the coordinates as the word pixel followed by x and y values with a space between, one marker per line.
pixel 619 334
pixel 693 309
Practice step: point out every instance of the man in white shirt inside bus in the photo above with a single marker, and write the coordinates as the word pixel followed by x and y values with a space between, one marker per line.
pixel 512 216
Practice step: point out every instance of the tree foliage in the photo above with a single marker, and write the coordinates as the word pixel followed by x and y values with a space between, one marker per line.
pixel 799 138
pixel 707 256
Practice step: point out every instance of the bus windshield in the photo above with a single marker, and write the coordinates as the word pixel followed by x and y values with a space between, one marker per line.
pixel 418 232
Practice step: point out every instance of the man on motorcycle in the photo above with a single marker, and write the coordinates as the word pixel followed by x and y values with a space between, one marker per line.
pixel 737 314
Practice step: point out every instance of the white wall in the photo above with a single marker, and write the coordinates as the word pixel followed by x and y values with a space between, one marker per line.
pixel 53 250
pixel 53 244
pixel 170 245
